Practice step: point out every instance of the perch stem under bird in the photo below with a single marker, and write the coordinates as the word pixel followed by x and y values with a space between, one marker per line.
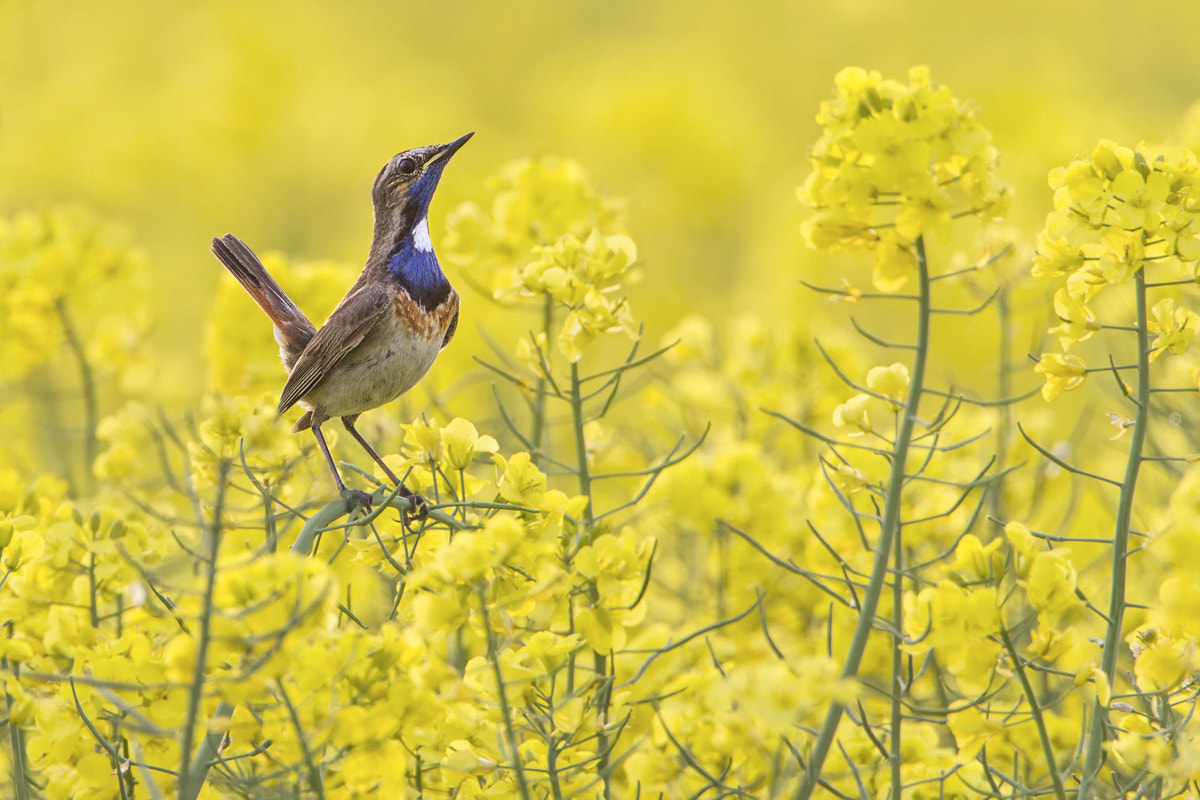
pixel 385 333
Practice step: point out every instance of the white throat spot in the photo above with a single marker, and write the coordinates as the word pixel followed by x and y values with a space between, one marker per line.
pixel 420 236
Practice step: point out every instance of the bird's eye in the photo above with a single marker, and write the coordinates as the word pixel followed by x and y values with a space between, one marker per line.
pixel 407 166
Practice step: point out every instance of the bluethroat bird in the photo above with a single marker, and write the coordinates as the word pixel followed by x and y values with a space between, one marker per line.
pixel 385 333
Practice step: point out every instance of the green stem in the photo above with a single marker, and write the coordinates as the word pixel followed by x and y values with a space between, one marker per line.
pixel 210 748
pixel 16 742
pixel 1035 710
pixel 91 444
pixel 603 698
pixel 509 731
pixel 584 473
pixel 314 773
pixel 897 710
pixel 325 518
pixel 599 662
pixel 539 400
pixel 888 532
pixel 93 590
pixel 552 768
pixel 1094 754
pixel 189 784
pixel 1003 389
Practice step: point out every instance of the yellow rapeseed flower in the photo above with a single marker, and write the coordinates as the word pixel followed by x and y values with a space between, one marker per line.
pixel 891 382
pixel 1062 372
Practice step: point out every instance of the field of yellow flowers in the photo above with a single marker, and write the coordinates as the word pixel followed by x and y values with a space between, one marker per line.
pixel 911 513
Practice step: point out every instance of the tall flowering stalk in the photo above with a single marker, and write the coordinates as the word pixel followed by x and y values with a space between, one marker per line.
pixel 1119 213
pixel 550 244
pixel 896 162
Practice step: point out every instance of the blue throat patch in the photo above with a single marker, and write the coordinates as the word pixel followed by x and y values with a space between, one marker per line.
pixel 417 270
pixel 419 273
pixel 421 193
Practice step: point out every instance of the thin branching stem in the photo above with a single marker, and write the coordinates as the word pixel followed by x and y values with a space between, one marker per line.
pixel 382 500
pixel 313 771
pixel 862 296
pixel 16 743
pixel 1036 712
pixel 888 531
pixel 675 644
pixel 898 683
pixel 582 469
pixel 87 380
pixel 189 783
pixel 1066 465
pixel 873 339
pixel 1094 752
pixel 210 746
pixel 966 312
pixel 631 361
pixel 510 733
pixel 537 435
pixel 1004 389
pixel 599 662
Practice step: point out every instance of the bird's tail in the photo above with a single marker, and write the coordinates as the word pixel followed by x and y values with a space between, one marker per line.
pixel 293 330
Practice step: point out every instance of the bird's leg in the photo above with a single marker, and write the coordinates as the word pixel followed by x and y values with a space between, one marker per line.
pixel 420 508
pixel 349 423
pixel 353 497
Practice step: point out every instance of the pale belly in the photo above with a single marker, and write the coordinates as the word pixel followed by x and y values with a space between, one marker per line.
pixel 384 366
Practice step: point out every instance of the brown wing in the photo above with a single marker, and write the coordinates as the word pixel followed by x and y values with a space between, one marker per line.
pixel 450 330
pixel 341 333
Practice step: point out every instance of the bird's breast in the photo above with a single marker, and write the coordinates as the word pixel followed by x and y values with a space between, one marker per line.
pixel 425 324
pixel 396 353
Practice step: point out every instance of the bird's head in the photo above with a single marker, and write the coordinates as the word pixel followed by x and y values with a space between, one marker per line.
pixel 405 186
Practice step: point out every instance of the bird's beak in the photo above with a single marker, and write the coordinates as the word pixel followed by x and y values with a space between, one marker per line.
pixel 450 149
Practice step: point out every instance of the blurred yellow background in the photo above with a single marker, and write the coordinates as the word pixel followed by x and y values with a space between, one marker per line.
pixel 270 120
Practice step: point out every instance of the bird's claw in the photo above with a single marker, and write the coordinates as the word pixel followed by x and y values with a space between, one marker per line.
pixel 356 500
pixel 418 511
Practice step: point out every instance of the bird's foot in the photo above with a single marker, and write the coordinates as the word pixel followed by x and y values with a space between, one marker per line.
pixel 419 509
pixel 357 500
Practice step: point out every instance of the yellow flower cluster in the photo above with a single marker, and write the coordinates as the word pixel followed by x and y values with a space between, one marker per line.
pixel 582 278
pixel 231 425
pixel 1115 209
pixel 551 242
pixel 896 162
pixel 534 203
pixel 888 384
pixel 960 624
pixel 65 573
pixel 72 324
pixel 431 451
pixel 48 257
pixel 1116 212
